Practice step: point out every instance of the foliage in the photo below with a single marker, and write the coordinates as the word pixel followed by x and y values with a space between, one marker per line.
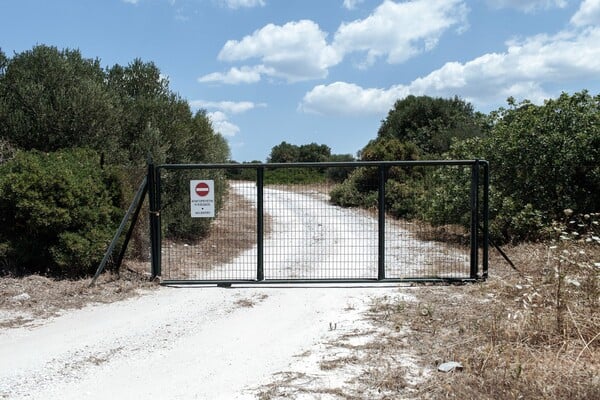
pixel 286 153
pixel 308 153
pixel 431 123
pixel 339 174
pixel 416 128
pixel 293 176
pixel 58 211
pixel 7 150
pixel 543 159
pixel 53 99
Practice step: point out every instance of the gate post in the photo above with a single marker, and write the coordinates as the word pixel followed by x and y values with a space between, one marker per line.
pixel 381 223
pixel 154 220
pixel 474 219
pixel 260 228
pixel 486 217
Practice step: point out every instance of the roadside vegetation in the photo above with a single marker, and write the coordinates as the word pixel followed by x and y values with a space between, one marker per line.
pixel 290 153
pixel 74 141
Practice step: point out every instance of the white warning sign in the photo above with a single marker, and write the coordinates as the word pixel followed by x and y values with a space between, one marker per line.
pixel 202 198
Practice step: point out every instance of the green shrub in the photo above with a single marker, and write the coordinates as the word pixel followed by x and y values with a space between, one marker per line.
pixel 543 159
pixel 58 212
pixel 293 176
pixel 359 190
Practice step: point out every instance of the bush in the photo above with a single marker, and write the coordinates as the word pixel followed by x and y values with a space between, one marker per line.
pixel 543 159
pixel 293 176
pixel 58 212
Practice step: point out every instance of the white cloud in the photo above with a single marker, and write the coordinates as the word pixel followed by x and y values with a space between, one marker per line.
pixel 522 71
pixel 131 1
pixel 236 75
pixel 299 50
pixel 400 30
pixel 588 13
pixel 221 124
pixel 341 98
pixel 235 4
pixel 294 51
pixel 351 4
pixel 528 5
pixel 233 107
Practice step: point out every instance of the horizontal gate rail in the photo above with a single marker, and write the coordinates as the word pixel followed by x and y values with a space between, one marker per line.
pixel 389 250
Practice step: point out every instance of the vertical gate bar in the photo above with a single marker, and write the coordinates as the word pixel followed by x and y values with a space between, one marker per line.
pixel 260 228
pixel 152 213
pixel 381 223
pixel 474 219
pixel 486 217
pixel 158 223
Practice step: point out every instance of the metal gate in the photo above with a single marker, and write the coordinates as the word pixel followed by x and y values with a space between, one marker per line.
pixel 261 223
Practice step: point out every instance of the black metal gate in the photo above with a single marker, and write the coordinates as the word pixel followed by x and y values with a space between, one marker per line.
pixel 247 223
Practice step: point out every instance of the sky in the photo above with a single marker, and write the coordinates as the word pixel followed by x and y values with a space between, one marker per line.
pixel 325 71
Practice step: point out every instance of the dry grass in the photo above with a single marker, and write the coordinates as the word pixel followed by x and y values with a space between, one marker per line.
pixel 24 300
pixel 534 335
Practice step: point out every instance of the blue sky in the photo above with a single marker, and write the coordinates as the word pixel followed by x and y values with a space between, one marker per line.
pixel 325 71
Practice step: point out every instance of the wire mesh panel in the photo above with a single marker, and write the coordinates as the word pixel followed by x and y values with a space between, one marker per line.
pixel 324 222
pixel 427 234
pixel 312 239
pixel 187 251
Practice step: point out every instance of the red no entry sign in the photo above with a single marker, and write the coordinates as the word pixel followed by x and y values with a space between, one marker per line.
pixel 202 189
pixel 202 198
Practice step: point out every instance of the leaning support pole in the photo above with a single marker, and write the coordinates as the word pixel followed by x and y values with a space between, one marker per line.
pixel 132 226
pixel 135 204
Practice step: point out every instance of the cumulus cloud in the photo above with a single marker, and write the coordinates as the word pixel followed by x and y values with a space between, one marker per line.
pixel 522 71
pixel 342 98
pixel 222 125
pixel 220 117
pixel 237 75
pixel 351 4
pixel 235 4
pixel 294 51
pixel 299 50
pixel 399 31
pixel 233 107
pixel 528 5
pixel 588 13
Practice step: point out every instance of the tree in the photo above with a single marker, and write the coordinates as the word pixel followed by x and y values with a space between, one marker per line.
pixel 155 120
pixel 431 123
pixel 284 153
pixel 314 152
pixel 52 99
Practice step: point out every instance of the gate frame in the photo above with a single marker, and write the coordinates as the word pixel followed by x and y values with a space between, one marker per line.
pixel 479 211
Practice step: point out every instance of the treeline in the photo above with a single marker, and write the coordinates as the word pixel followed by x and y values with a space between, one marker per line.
pixel 74 140
pixel 543 159
pixel 291 153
